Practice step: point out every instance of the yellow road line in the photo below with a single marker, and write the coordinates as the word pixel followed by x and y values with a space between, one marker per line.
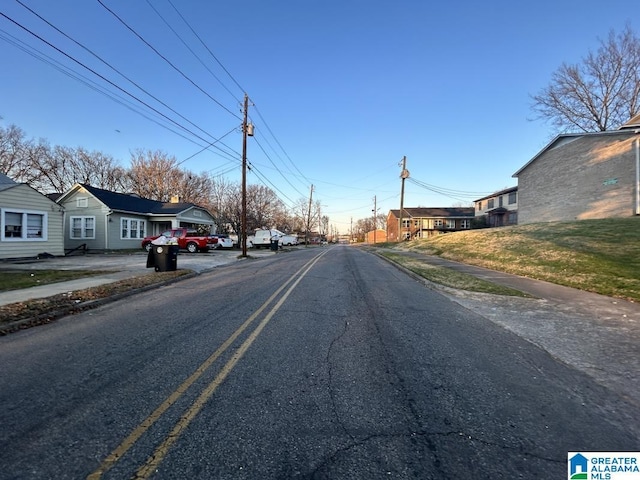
pixel 135 435
pixel 154 460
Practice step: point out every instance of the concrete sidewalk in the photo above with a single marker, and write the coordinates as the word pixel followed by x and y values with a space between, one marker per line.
pixel 595 334
pixel 116 267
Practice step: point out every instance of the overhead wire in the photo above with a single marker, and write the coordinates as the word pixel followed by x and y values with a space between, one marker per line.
pixel 280 145
pixel 95 55
pixel 266 181
pixel 206 147
pixel 264 177
pixel 206 47
pixel 455 194
pixel 101 76
pixel 261 176
pixel 189 48
pixel 186 77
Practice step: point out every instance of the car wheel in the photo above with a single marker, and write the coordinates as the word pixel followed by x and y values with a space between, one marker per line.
pixel 192 247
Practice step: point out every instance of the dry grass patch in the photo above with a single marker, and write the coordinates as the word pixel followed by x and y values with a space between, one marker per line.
pixel 44 310
pixel 450 278
pixel 601 256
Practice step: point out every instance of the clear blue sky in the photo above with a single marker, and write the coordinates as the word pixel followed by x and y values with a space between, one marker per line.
pixel 343 89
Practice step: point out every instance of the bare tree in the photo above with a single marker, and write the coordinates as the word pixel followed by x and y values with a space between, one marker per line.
pixel 263 206
pixel 153 175
pixel 299 214
pixel 601 93
pixel 225 202
pixel 157 176
pixel 12 142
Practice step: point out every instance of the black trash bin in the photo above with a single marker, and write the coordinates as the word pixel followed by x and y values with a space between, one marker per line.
pixel 274 245
pixel 164 258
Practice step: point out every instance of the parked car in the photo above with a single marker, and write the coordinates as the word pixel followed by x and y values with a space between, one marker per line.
pixel 262 238
pixel 189 240
pixel 221 241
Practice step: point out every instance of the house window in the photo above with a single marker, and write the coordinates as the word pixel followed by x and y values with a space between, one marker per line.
pixel 132 228
pixel 513 197
pixel 479 205
pixel 500 200
pixel 490 203
pixel 82 202
pixel 438 222
pixel 406 223
pixel 451 223
pixel 24 225
pixel 466 223
pixel 82 228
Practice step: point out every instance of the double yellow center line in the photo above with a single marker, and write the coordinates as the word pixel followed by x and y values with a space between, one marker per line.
pixel 161 451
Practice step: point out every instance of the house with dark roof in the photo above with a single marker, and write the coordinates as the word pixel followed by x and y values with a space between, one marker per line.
pixel 426 222
pixel 583 176
pixel 30 223
pixel 498 209
pixel 100 219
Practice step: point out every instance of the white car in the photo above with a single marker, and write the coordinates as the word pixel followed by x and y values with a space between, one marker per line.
pixel 222 241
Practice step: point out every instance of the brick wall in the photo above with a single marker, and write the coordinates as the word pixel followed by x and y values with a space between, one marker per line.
pixel 589 177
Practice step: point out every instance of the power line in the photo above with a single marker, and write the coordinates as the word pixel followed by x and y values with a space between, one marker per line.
pixel 29 50
pixel 454 194
pixel 118 72
pixel 189 48
pixel 265 180
pixel 280 145
pixel 206 147
pixel 104 92
pixel 276 167
pixel 206 47
pixel 101 76
pixel 166 59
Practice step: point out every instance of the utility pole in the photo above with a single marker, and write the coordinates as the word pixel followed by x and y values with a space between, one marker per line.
pixel 375 218
pixel 246 130
pixel 306 239
pixel 403 175
pixel 351 232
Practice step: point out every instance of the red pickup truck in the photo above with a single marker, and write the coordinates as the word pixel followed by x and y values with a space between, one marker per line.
pixel 189 240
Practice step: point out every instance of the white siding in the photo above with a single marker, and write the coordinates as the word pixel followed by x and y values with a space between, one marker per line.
pixel 23 198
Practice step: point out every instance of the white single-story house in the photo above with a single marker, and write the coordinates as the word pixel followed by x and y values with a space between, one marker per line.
pixel 98 219
pixel 30 223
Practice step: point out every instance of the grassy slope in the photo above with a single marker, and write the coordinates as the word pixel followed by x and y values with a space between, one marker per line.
pixel 601 256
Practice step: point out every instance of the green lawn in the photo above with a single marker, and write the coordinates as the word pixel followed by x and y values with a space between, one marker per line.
pixel 601 256
pixel 17 279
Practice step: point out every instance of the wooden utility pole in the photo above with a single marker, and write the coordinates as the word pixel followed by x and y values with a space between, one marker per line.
pixel 403 175
pixel 306 237
pixel 244 176
pixel 375 218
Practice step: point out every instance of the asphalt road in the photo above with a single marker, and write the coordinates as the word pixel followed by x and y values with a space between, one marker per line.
pixel 311 364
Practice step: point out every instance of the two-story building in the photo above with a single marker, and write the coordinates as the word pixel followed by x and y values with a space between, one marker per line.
pixel 498 209
pixel 425 222
pixel 583 176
